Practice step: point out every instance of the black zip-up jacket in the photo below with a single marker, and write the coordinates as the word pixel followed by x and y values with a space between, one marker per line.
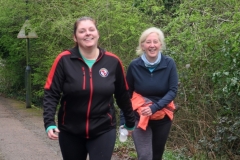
pixel 87 94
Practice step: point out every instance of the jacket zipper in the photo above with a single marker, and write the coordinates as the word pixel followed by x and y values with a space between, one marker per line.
pixel 90 99
pixel 89 104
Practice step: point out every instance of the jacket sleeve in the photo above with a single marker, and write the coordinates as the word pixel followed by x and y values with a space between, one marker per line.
pixel 172 92
pixel 130 80
pixel 122 96
pixel 52 92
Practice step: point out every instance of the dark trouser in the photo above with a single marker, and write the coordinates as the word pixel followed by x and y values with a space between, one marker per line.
pixel 74 147
pixel 150 144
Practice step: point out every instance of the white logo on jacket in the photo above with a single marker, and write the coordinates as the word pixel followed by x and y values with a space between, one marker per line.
pixel 103 72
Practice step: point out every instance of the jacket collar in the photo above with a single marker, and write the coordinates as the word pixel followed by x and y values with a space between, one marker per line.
pixel 161 65
pixel 76 54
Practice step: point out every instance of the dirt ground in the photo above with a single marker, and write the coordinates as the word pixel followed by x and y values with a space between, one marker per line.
pixel 22 135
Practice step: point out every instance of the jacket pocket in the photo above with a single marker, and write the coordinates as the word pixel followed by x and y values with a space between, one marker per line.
pixel 84 78
pixel 64 112
pixel 110 117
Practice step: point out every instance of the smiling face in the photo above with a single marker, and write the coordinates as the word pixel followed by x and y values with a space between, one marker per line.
pixel 151 46
pixel 86 34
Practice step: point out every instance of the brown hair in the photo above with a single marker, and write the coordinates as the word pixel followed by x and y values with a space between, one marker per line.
pixel 80 20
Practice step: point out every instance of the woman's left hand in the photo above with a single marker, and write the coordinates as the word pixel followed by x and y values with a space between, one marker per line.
pixel 146 111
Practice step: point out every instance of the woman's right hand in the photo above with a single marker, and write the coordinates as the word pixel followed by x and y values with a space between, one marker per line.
pixel 53 134
pixel 129 131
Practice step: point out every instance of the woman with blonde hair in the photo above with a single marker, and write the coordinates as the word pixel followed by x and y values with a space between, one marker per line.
pixel 153 85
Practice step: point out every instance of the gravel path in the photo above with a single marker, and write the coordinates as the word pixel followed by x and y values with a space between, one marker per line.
pixel 22 135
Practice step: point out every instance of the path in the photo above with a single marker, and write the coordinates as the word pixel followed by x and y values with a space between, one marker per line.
pixel 22 135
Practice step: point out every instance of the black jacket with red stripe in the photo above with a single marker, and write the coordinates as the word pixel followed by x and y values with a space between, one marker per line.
pixel 86 95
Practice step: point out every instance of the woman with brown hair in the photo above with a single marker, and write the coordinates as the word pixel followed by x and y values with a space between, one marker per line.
pixel 86 79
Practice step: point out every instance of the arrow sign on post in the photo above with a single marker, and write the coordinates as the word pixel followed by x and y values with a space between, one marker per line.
pixel 26 31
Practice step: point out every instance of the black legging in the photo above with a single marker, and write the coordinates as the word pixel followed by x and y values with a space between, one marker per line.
pixel 150 144
pixel 74 147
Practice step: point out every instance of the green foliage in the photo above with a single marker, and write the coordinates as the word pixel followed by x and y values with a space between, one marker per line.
pixel 227 88
pixel 169 155
pixel 204 42
pixel 160 12
pixel 226 140
pixel 201 35
pixel 13 59
pixel 119 25
pixel 230 52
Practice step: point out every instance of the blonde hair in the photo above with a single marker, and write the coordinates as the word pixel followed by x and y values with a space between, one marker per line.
pixel 144 35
